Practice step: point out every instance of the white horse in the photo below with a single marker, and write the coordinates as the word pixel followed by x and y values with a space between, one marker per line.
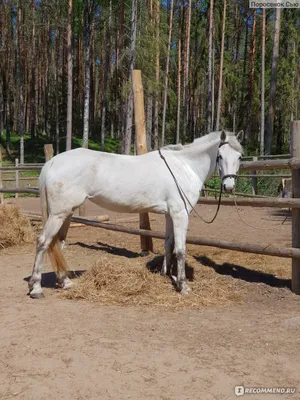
pixel 166 182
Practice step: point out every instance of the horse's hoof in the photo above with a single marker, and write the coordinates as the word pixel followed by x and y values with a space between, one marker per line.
pixel 65 284
pixel 37 295
pixel 184 289
pixel 68 285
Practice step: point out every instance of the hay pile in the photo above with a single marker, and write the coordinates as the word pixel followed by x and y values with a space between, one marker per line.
pixel 129 282
pixel 14 227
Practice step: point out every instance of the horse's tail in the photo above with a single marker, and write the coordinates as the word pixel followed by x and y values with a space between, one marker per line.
pixel 57 259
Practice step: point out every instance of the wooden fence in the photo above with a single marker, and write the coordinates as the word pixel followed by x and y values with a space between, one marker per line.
pixel 12 173
pixel 266 249
pixel 292 163
pixel 263 164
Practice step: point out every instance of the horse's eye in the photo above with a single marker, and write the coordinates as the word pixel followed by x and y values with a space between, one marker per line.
pixel 240 158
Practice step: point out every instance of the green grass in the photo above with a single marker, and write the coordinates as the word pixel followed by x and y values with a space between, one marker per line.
pixel 265 186
pixel 34 150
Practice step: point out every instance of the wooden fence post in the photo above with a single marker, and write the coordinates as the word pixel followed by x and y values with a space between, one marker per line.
pixel 1 183
pixel 254 179
pixel 17 177
pixel 141 146
pixel 295 144
pixel 49 152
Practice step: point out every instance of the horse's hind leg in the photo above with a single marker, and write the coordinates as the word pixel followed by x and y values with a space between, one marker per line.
pixel 62 234
pixel 63 281
pixel 180 225
pixel 51 228
pixel 169 245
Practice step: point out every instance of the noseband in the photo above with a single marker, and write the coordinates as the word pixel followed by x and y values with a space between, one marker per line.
pixel 234 176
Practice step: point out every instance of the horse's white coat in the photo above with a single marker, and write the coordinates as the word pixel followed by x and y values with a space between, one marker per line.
pixel 135 184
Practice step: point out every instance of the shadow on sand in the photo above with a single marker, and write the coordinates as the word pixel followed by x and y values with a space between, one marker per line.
pixel 49 278
pixel 117 251
pixel 244 274
pixel 155 266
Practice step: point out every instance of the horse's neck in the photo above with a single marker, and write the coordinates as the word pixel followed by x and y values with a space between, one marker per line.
pixel 202 158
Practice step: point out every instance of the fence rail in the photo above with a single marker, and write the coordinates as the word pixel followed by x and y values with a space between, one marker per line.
pixel 267 156
pixel 22 168
pixel 17 190
pixel 243 247
pixel 259 163
pixel 292 163
pixel 254 202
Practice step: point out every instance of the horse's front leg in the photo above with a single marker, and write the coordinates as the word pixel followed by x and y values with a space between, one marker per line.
pixel 169 245
pixel 180 225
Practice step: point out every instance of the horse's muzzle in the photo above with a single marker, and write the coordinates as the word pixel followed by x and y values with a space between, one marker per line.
pixel 228 182
pixel 227 189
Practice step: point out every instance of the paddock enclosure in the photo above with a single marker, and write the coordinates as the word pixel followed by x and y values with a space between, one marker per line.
pixel 138 338
pixel 241 326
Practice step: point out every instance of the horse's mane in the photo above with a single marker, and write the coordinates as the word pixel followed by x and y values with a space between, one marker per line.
pixel 175 147
pixel 230 137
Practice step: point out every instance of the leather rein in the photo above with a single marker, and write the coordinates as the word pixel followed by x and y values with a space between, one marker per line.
pixel 183 195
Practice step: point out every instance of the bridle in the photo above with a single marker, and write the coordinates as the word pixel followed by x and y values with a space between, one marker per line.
pixel 234 176
pixel 184 196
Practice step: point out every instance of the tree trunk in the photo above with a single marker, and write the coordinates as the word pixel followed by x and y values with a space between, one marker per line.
pixel 32 100
pixel 210 70
pixel 92 75
pixel 186 70
pixel 273 82
pixel 293 82
pixel 70 78
pixel 241 121
pixel 178 76
pixel 87 64
pixel 56 77
pixel 221 69
pixel 251 77
pixel 167 75
pixel 156 13
pixel 213 89
pixel 20 86
pixel 128 128
pixel 106 70
pixel 262 82
pixel 149 122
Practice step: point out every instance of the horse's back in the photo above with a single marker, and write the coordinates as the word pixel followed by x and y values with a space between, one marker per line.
pixel 116 182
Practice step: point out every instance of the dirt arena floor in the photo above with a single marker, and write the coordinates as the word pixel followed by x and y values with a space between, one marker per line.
pixel 55 348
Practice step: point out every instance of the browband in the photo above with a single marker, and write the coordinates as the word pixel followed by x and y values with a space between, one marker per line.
pixel 222 144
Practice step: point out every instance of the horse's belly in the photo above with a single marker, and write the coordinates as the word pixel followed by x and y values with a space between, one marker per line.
pixel 128 207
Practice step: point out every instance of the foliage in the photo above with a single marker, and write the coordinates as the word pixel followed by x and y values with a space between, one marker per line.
pixel 33 73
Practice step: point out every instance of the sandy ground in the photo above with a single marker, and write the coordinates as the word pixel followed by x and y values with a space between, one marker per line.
pixel 62 349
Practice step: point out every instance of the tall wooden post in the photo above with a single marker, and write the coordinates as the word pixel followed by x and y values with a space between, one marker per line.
pixel 1 183
pixel 49 152
pixel 295 152
pixel 254 179
pixel 141 146
pixel 17 176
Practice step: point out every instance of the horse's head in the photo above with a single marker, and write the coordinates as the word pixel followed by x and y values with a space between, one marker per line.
pixel 228 158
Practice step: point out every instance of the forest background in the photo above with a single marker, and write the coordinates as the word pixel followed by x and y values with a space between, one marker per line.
pixel 65 73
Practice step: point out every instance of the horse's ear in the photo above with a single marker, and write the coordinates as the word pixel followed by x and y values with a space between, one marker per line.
pixel 223 136
pixel 240 136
